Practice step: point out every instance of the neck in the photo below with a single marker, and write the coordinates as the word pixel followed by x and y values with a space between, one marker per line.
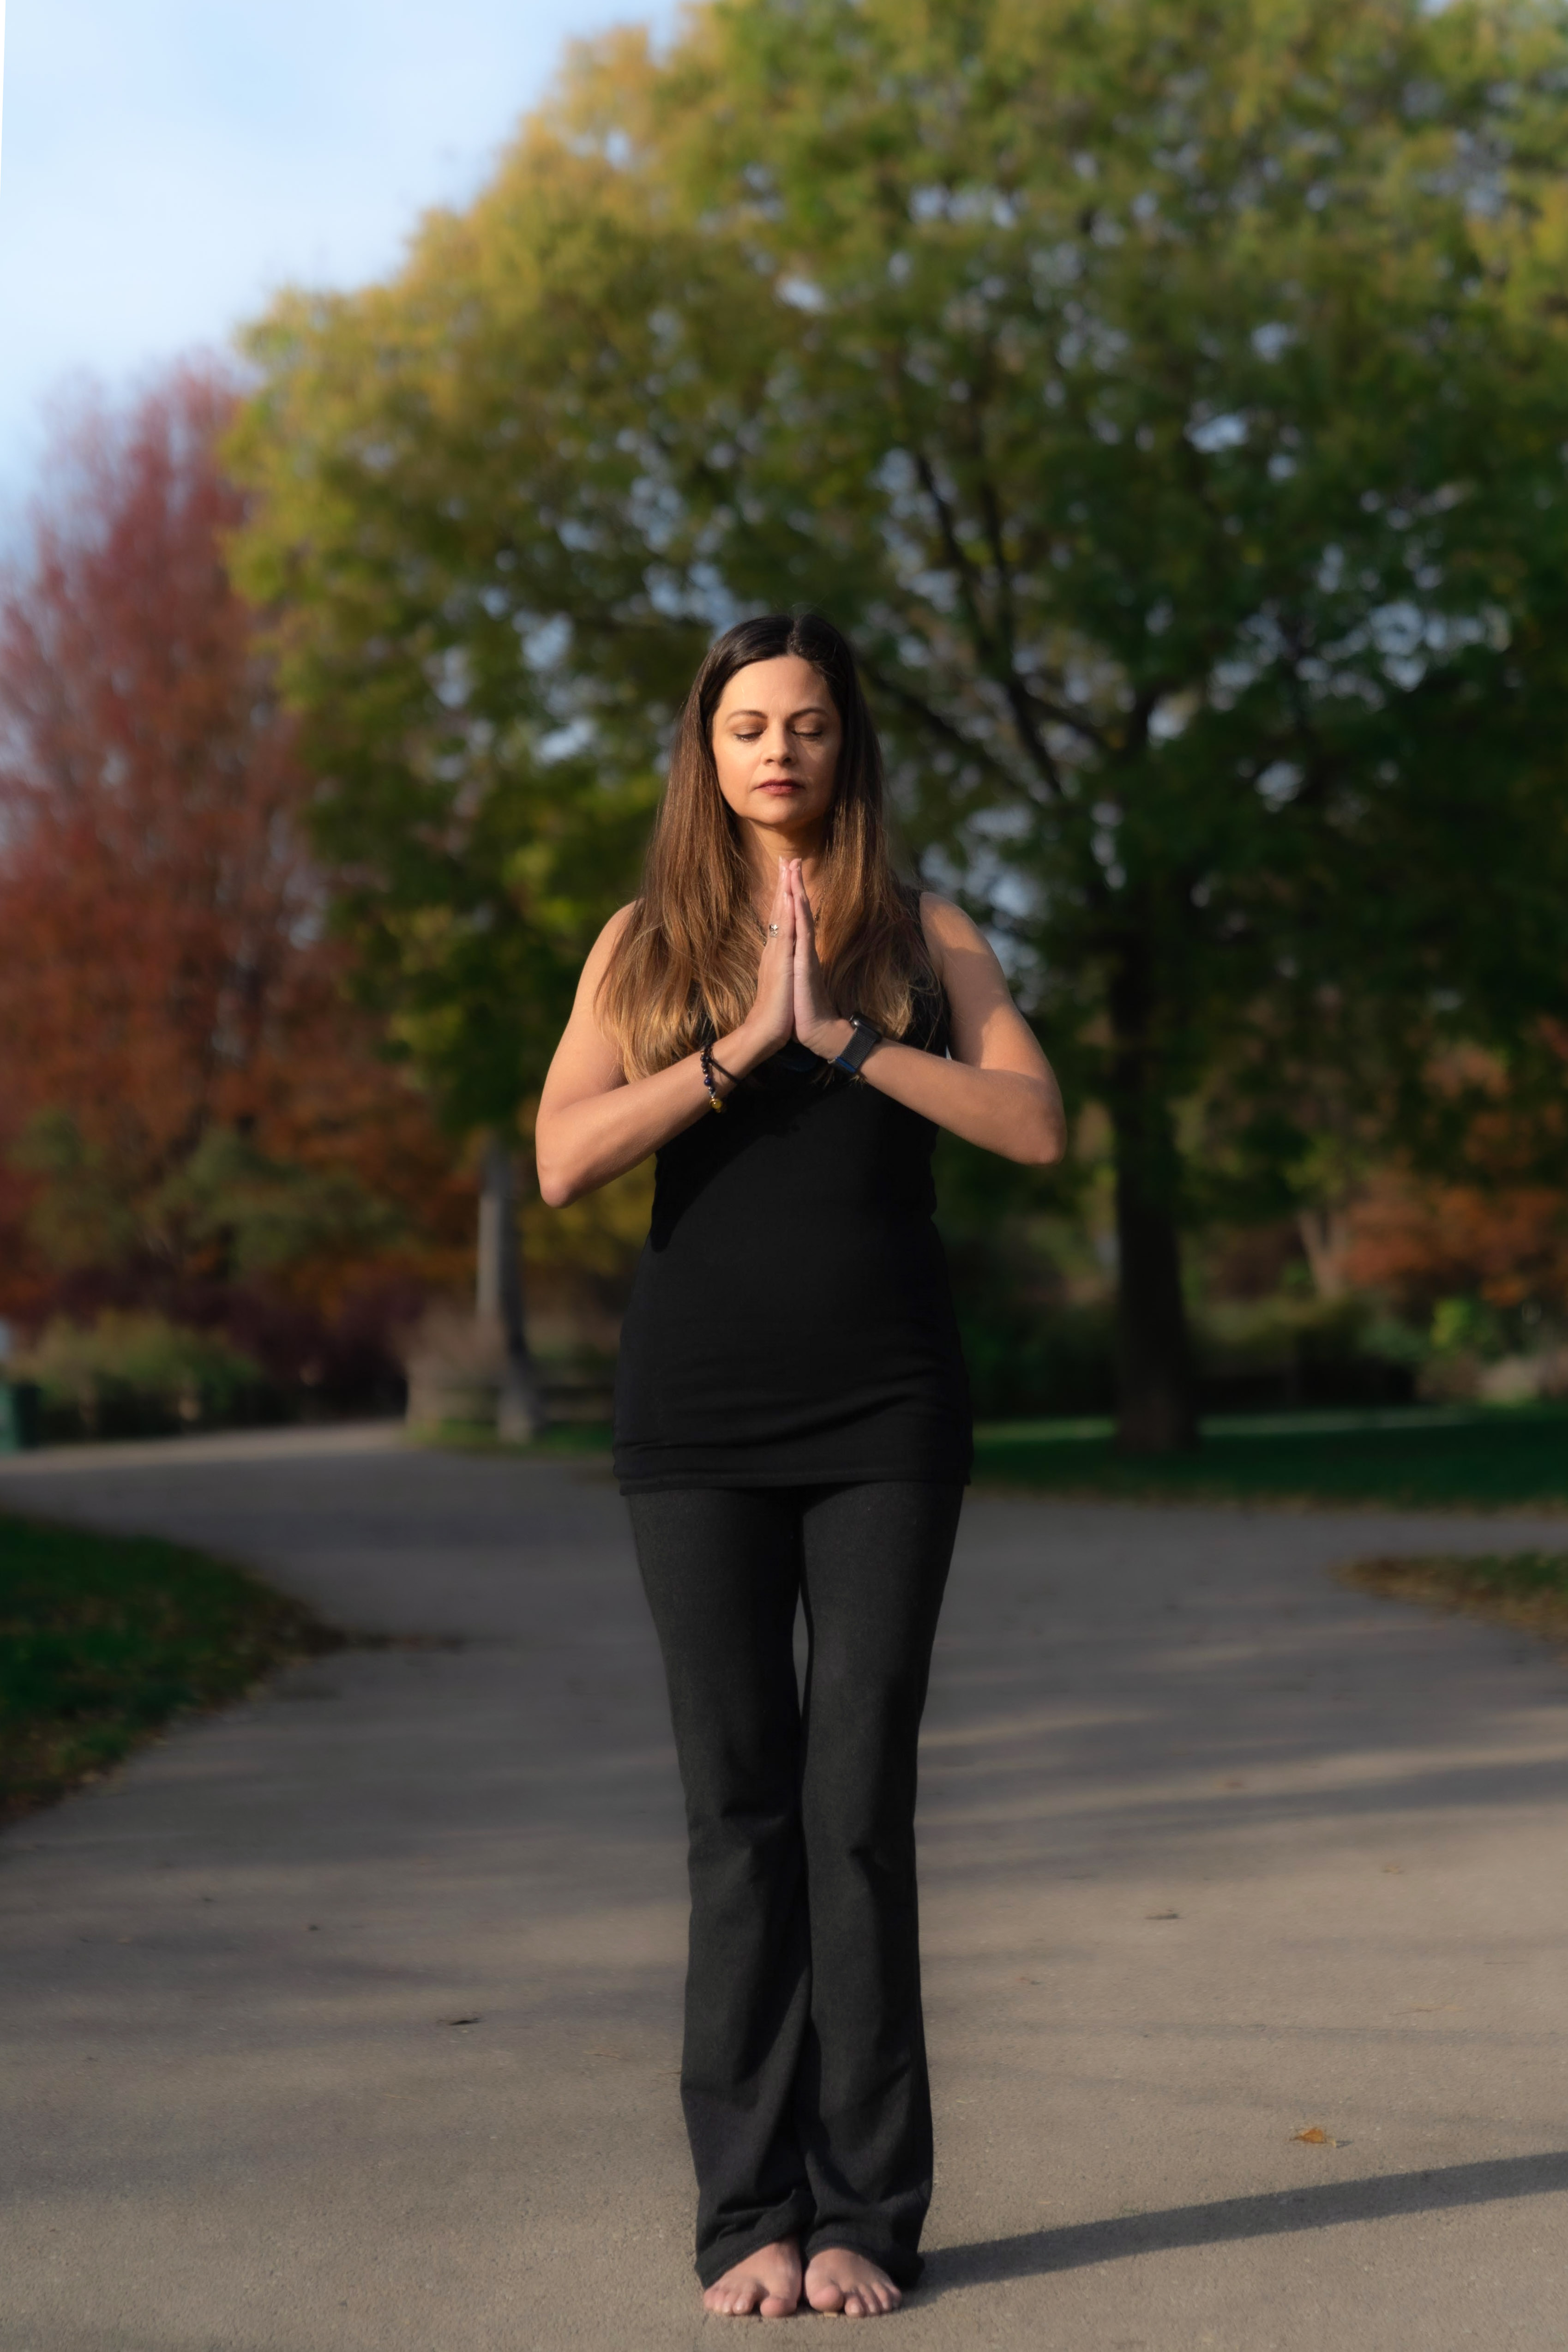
pixel 765 844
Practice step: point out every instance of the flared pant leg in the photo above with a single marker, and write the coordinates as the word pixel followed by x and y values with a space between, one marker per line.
pixel 803 2077
pixel 874 1567
pixel 721 1570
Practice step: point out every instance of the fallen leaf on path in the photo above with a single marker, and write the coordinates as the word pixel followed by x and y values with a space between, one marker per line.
pixel 1162 1915
pixel 462 2020
pixel 1316 2136
pixel 1393 1870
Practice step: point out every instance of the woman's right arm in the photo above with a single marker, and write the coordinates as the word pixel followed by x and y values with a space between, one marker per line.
pixel 592 1124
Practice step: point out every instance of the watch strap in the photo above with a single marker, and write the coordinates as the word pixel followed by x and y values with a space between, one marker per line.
pixel 862 1041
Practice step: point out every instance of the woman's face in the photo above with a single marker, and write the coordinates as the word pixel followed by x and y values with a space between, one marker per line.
pixel 776 736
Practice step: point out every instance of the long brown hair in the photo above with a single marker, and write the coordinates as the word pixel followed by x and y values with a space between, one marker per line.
pixel 684 967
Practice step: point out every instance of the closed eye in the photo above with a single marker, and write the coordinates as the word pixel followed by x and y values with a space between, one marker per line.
pixel 802 734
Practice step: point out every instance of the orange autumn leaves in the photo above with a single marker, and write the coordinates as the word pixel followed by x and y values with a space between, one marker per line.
pixel 165 975
pixel 1506 1242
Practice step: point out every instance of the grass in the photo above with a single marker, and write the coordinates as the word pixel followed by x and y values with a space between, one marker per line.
pixel 1419 1457
pixel 1434 1459
pixel 564 1441
pixel 1526 1589
pixel 104 1639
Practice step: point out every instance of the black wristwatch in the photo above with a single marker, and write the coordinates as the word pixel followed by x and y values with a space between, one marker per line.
pixel 863 1038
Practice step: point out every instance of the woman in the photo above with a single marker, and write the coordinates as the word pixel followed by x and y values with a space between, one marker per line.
pixel 786 1027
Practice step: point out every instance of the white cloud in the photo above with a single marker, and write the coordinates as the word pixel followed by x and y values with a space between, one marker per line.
pixel 168 164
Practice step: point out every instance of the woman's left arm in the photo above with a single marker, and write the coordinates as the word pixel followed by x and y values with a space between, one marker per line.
pixel 997 1090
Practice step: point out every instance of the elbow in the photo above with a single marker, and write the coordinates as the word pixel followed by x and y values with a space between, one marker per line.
pixel 558 1190
pixel 557 1187
pixel 1052 1131
pixel 1047 1144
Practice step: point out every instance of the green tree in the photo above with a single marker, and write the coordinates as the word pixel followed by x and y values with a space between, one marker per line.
pixel 1170 399
pixel 450 539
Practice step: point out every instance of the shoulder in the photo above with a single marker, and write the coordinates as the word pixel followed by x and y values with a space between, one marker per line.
pixel 948 930
pixel 602 955
pixel 967 963
pixel 611 937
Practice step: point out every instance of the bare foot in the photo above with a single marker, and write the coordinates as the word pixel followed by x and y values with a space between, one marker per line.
pixel 837 2280
pixel 767 2282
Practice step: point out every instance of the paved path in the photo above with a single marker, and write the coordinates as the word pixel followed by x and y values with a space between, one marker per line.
pixel 1214 1850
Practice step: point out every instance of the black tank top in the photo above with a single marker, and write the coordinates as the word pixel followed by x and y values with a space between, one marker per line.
pixel 790 1322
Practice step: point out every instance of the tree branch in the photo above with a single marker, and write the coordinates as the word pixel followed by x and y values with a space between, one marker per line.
pixel 884 682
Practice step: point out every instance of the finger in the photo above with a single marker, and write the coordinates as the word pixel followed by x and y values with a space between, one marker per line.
pixel 802 902
pixel 782 911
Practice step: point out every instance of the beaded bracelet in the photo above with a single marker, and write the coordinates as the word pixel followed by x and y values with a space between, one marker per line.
pixel 705 1059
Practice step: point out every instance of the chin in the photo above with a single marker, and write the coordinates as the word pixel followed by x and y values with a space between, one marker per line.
pixel 793 813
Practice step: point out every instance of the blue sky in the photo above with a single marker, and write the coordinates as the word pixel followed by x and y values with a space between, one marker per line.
pixel 167 164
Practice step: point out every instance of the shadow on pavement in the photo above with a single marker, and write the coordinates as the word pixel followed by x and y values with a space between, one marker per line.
pixel 1377 2199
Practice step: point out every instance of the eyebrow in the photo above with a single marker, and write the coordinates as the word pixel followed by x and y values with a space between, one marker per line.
pixel 807 710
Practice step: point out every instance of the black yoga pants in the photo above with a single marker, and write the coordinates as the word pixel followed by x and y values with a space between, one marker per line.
pixel 803 2077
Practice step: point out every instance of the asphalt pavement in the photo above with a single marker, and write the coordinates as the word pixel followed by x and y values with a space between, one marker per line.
pixel 348 2020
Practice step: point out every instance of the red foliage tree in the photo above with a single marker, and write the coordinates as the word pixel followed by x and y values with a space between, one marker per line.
pixel 1423 1242
pixel 190 1109
pixel 1496 1229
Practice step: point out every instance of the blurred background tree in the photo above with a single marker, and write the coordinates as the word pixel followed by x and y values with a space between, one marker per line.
pixel 195 1125
pixel 448 536
pixel 1167 397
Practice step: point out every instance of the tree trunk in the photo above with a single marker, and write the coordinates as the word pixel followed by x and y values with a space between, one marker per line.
pixel 1325 1233
pixel 498 1302
pixel 1157 1406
